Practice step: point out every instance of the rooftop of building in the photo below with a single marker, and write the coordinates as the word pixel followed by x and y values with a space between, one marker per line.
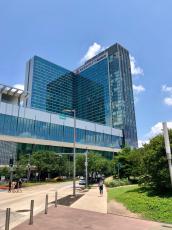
pixel 12 94
pixel 12 91
pixel 98 57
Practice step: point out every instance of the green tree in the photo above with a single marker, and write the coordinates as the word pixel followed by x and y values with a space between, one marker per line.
pixel 96 163
pixel 80 164
pixel 20 171
pixel 46 163
pixel 148 163
pixel 4 171
pixel 135 163
pixel 128 163
pixel 156 172
pixel 121 164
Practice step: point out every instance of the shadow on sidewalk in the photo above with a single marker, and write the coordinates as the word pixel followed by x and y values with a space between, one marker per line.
pixel 68 200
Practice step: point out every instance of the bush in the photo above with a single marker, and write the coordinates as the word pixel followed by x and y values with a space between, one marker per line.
pixel 155 164
pixel 116 182
pixel 147 165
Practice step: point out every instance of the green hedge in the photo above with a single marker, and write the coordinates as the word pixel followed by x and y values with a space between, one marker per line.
pixel 116 182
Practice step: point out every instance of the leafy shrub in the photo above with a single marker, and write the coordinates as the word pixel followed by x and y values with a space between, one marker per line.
pixel 116 182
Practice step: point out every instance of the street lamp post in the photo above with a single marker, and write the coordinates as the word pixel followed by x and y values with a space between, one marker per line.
pixel 28 169
pixel 11 162
pixel 74 148
pixel 86 168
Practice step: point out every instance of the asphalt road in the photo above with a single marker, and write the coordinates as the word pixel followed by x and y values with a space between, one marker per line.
pixel 21 201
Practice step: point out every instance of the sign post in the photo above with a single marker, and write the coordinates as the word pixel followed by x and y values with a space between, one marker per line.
pixel 62 116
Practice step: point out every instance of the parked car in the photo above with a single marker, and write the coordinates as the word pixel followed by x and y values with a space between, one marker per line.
pixel 24 180
pixel 82 181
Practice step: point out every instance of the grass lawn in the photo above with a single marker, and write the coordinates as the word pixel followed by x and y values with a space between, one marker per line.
pixel 143 201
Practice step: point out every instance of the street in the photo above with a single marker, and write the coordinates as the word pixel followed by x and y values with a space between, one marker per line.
pixel 21 200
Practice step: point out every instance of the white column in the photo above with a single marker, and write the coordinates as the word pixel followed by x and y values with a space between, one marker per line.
pixel 167 148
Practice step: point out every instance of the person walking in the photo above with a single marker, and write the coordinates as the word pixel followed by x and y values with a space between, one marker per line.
pixel 17 186
pixel 20 185
pixel 13 186
pixel 101 186
pixel 9 186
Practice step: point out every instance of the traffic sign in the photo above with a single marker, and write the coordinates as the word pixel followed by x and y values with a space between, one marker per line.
pixel 62 116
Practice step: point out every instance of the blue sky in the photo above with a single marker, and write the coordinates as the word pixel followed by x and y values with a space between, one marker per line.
pixel 63 30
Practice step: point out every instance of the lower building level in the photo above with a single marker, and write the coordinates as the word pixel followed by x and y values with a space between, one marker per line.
pixel 24 130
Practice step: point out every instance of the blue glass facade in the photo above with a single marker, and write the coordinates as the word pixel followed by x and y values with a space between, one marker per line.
pixel 22 127
pixel 112 69
pixel 54 89
pixel 122 100
pixel 41 76
pixel 7 150
pixel 29 148
pixel 93 103
pixel 100 91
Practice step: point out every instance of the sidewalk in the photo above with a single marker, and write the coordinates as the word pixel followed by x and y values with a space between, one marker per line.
pixel 65 218
pixel 92 201
pixel 94 217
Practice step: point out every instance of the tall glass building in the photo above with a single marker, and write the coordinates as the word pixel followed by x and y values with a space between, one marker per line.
pixel 111 68
pixel 49 85
pixel 100 90
pixel 54 89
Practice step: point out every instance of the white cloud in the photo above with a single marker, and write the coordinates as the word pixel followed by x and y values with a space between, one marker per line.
pixel 157 129
pixel 168 101
pixel 142 142
pixel 154 131
pixel 135 70
pixel 168 90
pixel 19 86
pixel 94 49
pixel 137 89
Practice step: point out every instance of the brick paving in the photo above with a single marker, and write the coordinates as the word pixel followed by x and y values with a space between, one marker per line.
pixel 67 218
pixel 90 212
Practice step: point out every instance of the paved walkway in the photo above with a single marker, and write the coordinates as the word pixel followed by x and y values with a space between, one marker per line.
pixel 92 201
pixel 95 217
pixel 65 218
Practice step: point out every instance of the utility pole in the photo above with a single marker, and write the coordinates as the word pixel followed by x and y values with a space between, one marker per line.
pixel 11 162
pixel 74 148
pixel 74 154
pixel 167 148
pixel 86 169
pixel 29 169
